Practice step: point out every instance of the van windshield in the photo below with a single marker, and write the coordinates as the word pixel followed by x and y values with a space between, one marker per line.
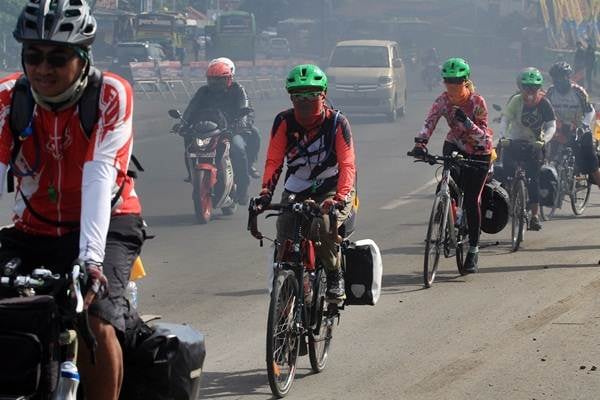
pixel 360 57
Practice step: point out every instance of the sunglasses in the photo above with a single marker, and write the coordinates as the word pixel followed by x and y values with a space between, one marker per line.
pixel 530 88
pixel 55 60
pixel 454 81
pixel 305 96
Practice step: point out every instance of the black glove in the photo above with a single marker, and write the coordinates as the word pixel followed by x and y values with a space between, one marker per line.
pixel 460 116
pixel 419 151
pixel 263 200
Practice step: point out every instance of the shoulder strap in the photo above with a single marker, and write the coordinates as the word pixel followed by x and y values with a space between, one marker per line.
pixel 89 103
pixel 21 110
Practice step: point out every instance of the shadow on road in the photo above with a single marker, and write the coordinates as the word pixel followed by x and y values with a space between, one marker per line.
pixel 566 248
pixel 391 282
pixel 243 293
pixel 216 385
pixel 515 268
pixel 408 250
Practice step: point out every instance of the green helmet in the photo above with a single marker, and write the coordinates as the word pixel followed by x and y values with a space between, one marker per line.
pixel 456 68
pixel 530 76
pixel 306 76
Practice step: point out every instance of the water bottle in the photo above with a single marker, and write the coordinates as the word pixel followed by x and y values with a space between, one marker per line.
pixel 308 287
pixel 459 212
pixel 131 292
pixel 68 382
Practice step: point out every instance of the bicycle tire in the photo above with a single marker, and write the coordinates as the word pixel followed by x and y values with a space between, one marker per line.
pixel 434 240
pixel 283 343
pixel 461 243
pixel 579 207
pixel 518 215
pixel 319 338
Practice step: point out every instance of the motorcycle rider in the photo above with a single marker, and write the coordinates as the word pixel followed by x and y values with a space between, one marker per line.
pixel 222 93
pixel 466 114
pixel 528 117
pixel 316 142
pixel 573 110
pixel 430 66
pixel 67 183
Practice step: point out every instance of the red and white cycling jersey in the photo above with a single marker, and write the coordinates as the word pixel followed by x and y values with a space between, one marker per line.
pixel 57 152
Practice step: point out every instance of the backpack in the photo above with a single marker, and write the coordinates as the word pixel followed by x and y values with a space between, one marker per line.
pixel 21 119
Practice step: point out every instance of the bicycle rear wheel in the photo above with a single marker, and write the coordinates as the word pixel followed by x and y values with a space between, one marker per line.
pixel 580 193
pixel 319 339
pixel 435 239
pixel 283 341
pixel 518 215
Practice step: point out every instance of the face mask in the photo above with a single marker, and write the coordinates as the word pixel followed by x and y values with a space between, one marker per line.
pixel 309 113
pixel 458 93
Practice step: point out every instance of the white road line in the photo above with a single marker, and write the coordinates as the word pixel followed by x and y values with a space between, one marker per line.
pixel 407 198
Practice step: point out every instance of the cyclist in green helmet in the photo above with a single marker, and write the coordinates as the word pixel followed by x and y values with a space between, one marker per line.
pixel 527 123
pixel 316 142
pixel 466 113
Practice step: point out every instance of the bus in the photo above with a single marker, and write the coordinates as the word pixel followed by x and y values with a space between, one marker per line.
pixel 166 29
pixel 233 35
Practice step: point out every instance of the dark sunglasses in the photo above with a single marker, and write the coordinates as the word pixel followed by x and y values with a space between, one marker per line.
pixel 55 60
pixel 454 80
pixel 305 96
pixel 531 88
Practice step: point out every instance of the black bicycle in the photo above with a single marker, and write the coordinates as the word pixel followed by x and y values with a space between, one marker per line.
pixel 300 320
pixel 447 231
pixel 571 183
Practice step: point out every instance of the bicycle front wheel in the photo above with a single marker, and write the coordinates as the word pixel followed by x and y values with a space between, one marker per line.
pixel 435 239
pixel 320 336
pixel 283 341
pixel 518 215
pixel 580 193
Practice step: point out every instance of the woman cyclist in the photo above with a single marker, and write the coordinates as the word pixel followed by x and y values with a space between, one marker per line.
pixel 529 118
pixel 466 114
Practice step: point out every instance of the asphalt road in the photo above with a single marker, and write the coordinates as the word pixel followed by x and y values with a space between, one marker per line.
pixel 525 327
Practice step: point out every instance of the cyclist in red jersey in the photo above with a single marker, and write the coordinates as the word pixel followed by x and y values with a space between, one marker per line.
pixel 74 198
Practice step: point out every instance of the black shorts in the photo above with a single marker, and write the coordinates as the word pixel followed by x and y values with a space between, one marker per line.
pixel 123 244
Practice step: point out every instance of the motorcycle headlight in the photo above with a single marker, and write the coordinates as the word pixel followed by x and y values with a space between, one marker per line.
pixel 202 142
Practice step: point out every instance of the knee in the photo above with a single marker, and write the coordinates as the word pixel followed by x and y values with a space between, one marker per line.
pixel 104 332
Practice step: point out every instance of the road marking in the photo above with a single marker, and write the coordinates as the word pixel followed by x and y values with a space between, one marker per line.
pixel 402 200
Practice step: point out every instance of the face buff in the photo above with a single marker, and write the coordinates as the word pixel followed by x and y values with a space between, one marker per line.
pixel 309 113
pixel 458 93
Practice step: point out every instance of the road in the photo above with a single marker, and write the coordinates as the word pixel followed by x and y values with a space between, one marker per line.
pixel 525 327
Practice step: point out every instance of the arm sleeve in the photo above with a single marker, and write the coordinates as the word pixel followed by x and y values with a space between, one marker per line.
pixel 98 180
pixel 508 116
pixel 346 159
pixel 434 115
pixel 275 154
pixel 504 124
pixel 108 158
pixel 480 121
pixel 548 130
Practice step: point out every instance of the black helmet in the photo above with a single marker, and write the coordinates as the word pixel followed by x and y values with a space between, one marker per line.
pixel 62 22
pixel 560 70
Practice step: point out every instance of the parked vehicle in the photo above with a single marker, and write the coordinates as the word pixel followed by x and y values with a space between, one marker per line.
pixel 127 52
pixel 278 48
pixel 368 76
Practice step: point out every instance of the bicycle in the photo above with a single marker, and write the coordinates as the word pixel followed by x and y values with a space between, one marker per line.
pixel 518 193
pixel 570 183
pixel 448 226
pixel 298 310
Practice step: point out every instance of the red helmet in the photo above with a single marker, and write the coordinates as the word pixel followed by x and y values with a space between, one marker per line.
pixel 219 69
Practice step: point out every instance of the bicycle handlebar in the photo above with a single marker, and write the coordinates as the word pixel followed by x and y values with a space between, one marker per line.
pixel 308 208
pixel 455 158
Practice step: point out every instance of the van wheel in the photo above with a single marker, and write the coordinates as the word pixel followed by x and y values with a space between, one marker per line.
pixel 402 110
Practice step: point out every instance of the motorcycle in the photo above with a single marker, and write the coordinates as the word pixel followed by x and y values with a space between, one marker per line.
pixel 208 144
pixel 430 75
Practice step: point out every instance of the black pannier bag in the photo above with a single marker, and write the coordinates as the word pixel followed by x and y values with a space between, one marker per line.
pixel 29 334
pixel 548 185
pixel 165 363
pixel 364 270
pixel 495 205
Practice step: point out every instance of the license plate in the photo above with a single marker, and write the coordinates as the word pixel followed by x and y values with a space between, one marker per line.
pixel 209 154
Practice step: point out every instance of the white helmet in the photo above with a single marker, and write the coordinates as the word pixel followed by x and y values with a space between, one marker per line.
pixel 224 60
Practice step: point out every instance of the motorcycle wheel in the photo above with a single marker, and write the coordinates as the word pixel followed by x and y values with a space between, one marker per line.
pixel 202 196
